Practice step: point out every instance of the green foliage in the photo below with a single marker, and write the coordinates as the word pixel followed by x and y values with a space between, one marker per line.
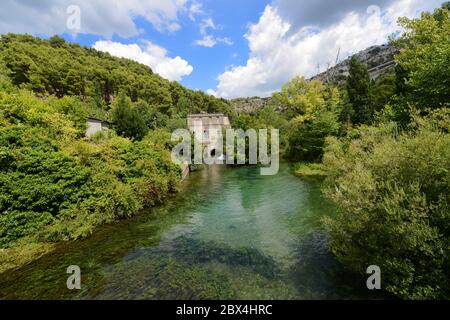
pixel 127 120
pixel 56 41
pixel 18 224
pixel 358 86
pixel 58 68
pixel 58 186
pixel 300 97
pixel 392 189
pixel 313 110
pixel 381 92
pixel 306 169
pixel 423 75
pixel 265 118
pixel 307 139
pixel 184 106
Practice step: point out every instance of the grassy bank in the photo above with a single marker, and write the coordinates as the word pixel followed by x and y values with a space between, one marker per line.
pixel 58 185
pixel 307 169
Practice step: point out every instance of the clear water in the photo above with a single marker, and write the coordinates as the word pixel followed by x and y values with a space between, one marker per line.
pixel 230 234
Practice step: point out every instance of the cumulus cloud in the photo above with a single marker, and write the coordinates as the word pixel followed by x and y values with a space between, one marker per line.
pixel 101 17
pixel 322 13
pixel 277 53
pixel 151 55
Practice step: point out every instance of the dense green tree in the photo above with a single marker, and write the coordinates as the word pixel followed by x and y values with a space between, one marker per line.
pixel 300 97
pixel 150 115
pixel 424 68
pixel 56 41
pixel 313 109
pixel 392 190
pixel 127 120
pixel 382 91
pixel 358 88
pixel 307 139
pixel 183 107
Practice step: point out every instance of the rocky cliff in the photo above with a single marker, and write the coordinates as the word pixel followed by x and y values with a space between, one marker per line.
pixel 379 60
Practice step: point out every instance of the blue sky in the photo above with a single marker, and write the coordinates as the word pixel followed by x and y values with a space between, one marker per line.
pixel 228 48
pixel 208 62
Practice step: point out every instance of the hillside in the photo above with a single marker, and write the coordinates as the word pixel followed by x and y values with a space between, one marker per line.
pixel 379 60
pixel 54 67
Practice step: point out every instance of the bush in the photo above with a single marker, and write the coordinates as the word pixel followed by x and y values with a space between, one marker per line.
pixel 127 121
pixel 57 186
pixel 392 190
pixel 307 139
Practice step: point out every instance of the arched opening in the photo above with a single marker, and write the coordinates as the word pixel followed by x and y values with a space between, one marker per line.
pixel 213 153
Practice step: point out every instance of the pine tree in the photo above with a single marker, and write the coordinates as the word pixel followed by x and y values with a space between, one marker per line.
pixel 127 121
pixel 358 87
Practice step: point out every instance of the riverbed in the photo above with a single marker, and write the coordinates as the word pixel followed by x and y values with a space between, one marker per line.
pixel 229 234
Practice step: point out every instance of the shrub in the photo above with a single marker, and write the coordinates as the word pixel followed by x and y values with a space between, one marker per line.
pixel 392 190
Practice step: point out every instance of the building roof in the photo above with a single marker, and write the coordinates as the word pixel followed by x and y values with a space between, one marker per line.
pixel 205 115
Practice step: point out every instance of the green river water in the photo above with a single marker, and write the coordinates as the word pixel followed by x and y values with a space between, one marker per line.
pixel 230 234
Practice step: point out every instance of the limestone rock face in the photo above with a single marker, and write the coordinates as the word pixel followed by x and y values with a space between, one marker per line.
pixel 379 60
pixel 249 104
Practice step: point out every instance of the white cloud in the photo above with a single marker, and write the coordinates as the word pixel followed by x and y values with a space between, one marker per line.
pixel 101 17
pixel 195 9
pixel 207 24
pixel 225 40
pixel 278 54
pixel 207 41
pixel 210 41
pixel 151 55
pixel 322 13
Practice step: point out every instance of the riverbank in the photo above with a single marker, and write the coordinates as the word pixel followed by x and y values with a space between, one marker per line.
pixel 308 169
pixel 229 234
pixel 23 254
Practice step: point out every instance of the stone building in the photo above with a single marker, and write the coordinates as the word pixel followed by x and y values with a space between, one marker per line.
pixel 208 127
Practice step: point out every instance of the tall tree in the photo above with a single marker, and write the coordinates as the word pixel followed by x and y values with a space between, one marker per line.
pixel 424 59
pixel 358 87
pixel 127 121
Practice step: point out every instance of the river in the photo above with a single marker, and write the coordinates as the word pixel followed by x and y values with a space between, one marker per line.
pixel 229 234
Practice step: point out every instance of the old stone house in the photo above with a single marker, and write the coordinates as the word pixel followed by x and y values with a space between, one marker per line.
pixel 208 127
